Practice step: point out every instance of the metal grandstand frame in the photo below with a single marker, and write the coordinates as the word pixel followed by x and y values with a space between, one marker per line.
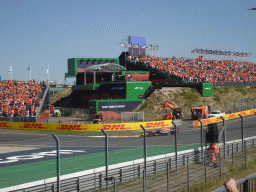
pixel 103 67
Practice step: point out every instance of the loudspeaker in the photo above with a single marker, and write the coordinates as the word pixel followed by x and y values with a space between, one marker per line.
pixel 212 135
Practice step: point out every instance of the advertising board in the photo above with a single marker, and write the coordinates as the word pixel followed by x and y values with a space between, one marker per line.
pixel 226 117
pixel 86 127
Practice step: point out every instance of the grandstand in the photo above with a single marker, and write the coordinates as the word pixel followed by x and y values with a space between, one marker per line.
pixel 201 70
pixel 21 101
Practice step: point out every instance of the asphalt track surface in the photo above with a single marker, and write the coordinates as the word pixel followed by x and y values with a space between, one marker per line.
pixel 91 149
pixel 187 135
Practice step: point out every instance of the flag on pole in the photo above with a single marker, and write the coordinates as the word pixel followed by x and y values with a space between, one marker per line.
pixel 28 69
pixel 143 46
pixel 129 45
pixel 155 47
pixel 10 70
pixel 149 47
pixel 47 70
pixel 121 44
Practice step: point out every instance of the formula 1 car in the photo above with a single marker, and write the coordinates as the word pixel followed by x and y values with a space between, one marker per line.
pixel 172 131
pixel 160 132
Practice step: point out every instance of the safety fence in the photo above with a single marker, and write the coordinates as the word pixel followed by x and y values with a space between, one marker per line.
pixel 247 183
pixel 132 116
pixel 74 114
pixel 85 162
pixel 244 104
pixel 164 172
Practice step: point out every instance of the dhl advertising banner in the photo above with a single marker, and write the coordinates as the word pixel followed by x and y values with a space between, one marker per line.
pixel 86 127
pixel 226 117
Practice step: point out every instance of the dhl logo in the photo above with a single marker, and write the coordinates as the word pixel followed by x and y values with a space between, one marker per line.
pixel 33 126
pixel 206 121
pixel 243 113
pixel 115 127
pixel 231 116
pixel 70 127
pixel 4 125
pixel 153 125
pixel 252 111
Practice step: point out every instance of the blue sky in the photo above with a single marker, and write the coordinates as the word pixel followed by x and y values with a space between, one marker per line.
pixel 42 32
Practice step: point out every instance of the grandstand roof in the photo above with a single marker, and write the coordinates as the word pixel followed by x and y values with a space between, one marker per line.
pixel 106 67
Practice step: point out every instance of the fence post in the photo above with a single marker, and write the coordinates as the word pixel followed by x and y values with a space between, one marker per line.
pixel 145 151
pixel 167 172
pixel 106 155
pixel 232 154
pixel 114 184
pixel 242 130
pixel 224 136
pixel 201 134
pixel 78 184
pixel 170 163
pixel 176 146
pixel 155 167
pixel 144 180
pixel 241 104
pixel 58 161
pixel 220 162
pixel 121 175
pixel 188 171
pixel 205 167
pixel 139 170
pixel 245 153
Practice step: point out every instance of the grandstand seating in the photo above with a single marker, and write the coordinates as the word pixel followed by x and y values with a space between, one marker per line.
pixel 19 98
pixel 202 70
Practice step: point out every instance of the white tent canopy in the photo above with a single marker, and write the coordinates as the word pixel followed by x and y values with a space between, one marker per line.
pixel 105 67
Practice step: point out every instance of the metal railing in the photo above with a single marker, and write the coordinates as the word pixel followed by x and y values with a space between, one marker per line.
pixel 244 104
pixel 155 165
pixel 132 116
pixel 233 154
pixel 245 184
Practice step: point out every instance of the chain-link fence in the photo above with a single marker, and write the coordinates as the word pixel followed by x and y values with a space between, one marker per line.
pixel 161 163
pixel 244 104
pixel 132 116
pixel 64 115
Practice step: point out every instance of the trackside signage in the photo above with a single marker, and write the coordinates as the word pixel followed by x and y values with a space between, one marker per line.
pixel 226 117
pixel 86 127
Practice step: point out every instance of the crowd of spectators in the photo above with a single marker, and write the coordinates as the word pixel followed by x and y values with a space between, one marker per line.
pixel 19 98
pixel 202 70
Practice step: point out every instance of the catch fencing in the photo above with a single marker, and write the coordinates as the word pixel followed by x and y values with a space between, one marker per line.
pixel 132 116
pixel 173 162
pixel 244 104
